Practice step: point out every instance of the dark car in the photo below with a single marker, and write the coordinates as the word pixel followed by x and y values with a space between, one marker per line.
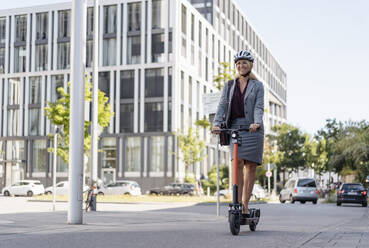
pixel 174 189
pixel 352 193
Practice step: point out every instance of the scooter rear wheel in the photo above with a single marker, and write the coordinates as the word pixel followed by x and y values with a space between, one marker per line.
pixel 252 226
pixel 234 224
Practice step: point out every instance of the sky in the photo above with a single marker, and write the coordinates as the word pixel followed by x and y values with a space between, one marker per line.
pixel 323 46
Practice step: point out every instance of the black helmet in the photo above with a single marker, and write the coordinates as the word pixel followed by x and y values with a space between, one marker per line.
pixel 243 54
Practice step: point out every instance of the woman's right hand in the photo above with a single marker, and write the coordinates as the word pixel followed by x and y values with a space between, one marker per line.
pixel 216 130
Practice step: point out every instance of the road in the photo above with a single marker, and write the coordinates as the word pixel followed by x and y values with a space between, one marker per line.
pixel 32 224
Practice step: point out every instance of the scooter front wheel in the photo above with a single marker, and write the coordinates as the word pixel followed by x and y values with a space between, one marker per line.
pixel 234 224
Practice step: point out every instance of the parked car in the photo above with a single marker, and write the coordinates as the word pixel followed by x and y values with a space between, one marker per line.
pixel 24 187
pixel 257 192
pixel 120 187
pixel 352 193
pixel 174 189
pixel 299 189
pixel 62 188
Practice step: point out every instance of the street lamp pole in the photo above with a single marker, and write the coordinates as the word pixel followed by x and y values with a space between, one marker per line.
pixel 77 111
pixel 54 164
pixel 95 86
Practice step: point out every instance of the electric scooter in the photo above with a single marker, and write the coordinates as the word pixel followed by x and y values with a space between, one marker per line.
pixel 235 216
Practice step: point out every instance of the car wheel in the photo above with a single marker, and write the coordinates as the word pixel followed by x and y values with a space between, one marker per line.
pixel 292 200
pixel 48 193
pixel 339 203
pixel 302 202
pixel 280 199
pixel 100 193
pixel 315 202
pixel 364 204
pixel 29 193
pixel 6 193
pixel 127 193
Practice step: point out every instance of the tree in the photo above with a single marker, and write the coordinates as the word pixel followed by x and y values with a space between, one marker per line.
pixel 191 148
pixel 225 74
pixel 291 151
pixel 211 182
pixel 58 113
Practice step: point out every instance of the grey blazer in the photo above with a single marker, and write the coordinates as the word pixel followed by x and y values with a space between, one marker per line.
pixel 254 104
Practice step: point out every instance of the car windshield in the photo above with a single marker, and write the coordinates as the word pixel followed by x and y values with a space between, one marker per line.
pixel 306 183
pixel 352 187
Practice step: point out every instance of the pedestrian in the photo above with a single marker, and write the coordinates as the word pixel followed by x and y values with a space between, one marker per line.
pixel 242 106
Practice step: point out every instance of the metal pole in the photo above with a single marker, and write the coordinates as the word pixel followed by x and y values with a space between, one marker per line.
pixel 268 180
pixel 275 181
pixel 77 109
pixel 218 196
pixel 54 165
pixel 95 87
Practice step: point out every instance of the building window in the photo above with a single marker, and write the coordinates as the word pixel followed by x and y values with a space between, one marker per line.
pixel 21 28
pixel 2 60
pixel 182 86
pixel 192 27
pixel 13 122
pixel 154 82
pixel 109 153
pixel 110 19
pixel 57 81
pixel 158 14
pixel 157 48
pixel 35 90
pixel 13 91
pixel 170 72
pixel 64 24
pixel 184 19
pixel 41 58
pixel 34 121
pixel 126 117
pixel 90 21
pixel 42 26
pixel 133 156
pixel 153 117
pixel 20 54
pixel 39 156
pixel 127 84
pixel 157 153
pixel 200 34
pixel 104 82
pixel 134 17
pixel 109 52
pixel 134 49
pixel 64 55
pixel 89 52
pixel 2 30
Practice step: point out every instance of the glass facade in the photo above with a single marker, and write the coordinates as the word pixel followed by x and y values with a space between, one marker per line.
pixel 127 84
pixel 153 117
pixel 108 152
pixel 39 156
pixel 34 121
pixel 57 81
pixel 110 30
pixel 157 48
pixel 104 82
pixel 41 58
pixel 2 44
pixel 158 14
pixel 21 28
pixel 35 90
pixel 154 82
pixel 64 55
pixel 13 122
pixel 126 117
pixel 133 154
pixel 134 17
pixel 157 151
pixel 20 55
pixel 42 26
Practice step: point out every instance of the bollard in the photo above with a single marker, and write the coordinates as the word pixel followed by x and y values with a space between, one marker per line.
pixel 208 191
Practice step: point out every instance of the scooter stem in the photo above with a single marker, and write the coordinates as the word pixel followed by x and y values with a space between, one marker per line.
pixel 235 173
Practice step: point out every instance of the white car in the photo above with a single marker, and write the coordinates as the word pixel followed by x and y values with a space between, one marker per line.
pixel 24 187
pixel 121 187
pixel 62 188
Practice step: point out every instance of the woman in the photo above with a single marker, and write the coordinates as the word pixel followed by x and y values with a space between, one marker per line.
pixel 242 106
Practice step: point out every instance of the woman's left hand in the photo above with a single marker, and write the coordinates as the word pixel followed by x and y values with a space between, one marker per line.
pixel 254 127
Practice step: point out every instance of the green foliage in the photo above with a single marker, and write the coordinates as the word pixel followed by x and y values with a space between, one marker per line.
pixel 58 113
pixel 291 152
pixel 211 182
pixel 225 74
pixel 204 123
pixel 191 147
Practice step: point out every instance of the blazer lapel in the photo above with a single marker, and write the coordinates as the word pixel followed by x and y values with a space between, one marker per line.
pixel 249 88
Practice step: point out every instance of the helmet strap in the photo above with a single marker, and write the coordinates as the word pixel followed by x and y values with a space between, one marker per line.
pixel 246 74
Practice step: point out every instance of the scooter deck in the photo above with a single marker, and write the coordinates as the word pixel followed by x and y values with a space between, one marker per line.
pixel 248 221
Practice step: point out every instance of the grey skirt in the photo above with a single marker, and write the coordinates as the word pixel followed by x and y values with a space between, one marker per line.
pixel 252 143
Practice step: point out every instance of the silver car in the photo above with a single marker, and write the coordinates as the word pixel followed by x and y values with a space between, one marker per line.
pixel 299 189
pixel 121 187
